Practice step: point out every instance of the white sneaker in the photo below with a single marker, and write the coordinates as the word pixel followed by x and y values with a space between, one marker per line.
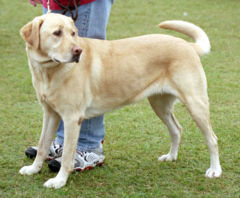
pixel 54 151
pixel 82 161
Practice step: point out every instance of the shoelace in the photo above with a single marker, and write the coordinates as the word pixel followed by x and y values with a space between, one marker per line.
pixel 82 153
pixel 57 150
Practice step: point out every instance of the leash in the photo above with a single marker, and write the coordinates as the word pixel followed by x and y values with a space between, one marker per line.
pixel 48 6
pixel 70 8
pixel 67 8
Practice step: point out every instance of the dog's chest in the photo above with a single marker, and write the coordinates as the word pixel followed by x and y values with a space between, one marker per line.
pixel 44 91
pixel 50 101
pixel 46 96
pixel 41 84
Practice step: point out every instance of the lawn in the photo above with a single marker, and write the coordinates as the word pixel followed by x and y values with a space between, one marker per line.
pixel 135 137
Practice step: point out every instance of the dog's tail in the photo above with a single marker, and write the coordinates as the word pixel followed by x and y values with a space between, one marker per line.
pixel 201 45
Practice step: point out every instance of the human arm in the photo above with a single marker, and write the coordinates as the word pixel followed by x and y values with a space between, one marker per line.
pixel 35 2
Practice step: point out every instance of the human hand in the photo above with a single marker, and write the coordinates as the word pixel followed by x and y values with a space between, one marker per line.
pixel 35 2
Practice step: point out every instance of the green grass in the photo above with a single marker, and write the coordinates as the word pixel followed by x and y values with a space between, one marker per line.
pixel 134 135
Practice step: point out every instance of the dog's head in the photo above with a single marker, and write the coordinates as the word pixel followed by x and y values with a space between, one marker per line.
pixel 54 36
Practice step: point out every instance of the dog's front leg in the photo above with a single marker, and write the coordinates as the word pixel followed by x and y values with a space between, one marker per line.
pixel 71 133
pixel 50 124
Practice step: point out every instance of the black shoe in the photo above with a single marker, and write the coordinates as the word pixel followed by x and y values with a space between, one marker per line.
pixel 54 151
pixel 31 152
pixel 54 165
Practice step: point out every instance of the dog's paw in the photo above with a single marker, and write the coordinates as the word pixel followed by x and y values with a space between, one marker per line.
pixel 168 157
pixel 55 183
pixel 213 172
pixel 29 170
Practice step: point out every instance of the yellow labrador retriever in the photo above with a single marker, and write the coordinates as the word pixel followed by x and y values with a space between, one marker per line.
pixel 78 78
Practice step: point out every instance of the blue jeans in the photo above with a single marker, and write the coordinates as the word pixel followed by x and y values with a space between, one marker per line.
pixel 91 22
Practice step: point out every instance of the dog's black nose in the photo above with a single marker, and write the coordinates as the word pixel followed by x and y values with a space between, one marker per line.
pixel 76 51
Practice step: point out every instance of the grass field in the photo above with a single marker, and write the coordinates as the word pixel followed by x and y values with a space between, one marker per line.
pixel 134 135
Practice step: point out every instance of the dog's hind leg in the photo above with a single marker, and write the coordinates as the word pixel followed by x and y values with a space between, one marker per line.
pixel 50 124
pixel 198 107
pixel 163 107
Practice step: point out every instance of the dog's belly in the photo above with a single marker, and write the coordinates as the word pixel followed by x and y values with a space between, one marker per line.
pixel 100 106
pixel 155 89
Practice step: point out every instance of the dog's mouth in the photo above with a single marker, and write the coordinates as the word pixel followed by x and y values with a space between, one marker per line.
pixel 75 58
pixel 56 60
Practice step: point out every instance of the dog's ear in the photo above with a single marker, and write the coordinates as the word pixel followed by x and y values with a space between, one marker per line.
pixel 30 32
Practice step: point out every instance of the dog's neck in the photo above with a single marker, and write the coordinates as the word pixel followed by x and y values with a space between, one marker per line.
pixel 39 60
pixel 44 68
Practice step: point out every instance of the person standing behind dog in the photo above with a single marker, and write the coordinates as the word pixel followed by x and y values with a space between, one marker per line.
pixel 91 18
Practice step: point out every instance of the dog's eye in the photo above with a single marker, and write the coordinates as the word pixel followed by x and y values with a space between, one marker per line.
pixel 73 33
pixel 57 33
